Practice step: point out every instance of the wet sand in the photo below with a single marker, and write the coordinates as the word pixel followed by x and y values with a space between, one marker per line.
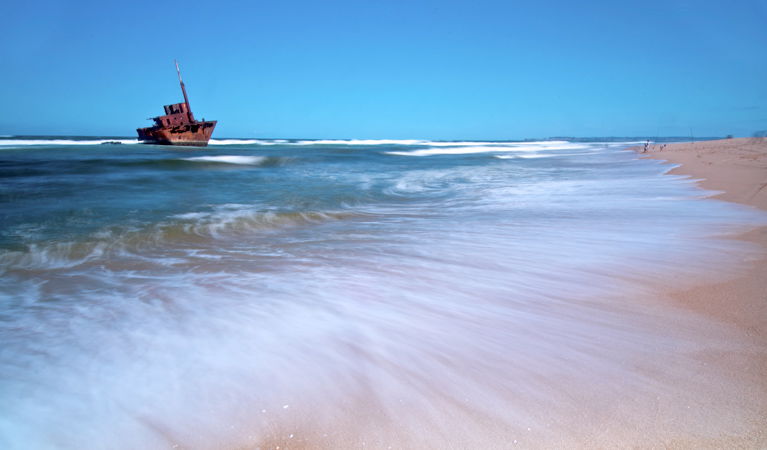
pixel 737 169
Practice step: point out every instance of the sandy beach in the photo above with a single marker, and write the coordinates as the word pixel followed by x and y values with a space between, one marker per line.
pixel 737 169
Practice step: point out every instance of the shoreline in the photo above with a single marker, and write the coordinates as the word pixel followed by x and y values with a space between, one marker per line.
pixel 736 167
pixel 737 170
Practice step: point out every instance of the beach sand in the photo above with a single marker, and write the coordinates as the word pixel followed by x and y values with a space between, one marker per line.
pixel 737 169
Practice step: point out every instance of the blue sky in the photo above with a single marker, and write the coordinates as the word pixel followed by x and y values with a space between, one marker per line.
pixel 394 69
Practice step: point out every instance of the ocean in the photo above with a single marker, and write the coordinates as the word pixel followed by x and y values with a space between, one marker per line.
pixel 353 294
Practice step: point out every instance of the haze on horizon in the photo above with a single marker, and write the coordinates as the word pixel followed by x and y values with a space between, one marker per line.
pixel 427 69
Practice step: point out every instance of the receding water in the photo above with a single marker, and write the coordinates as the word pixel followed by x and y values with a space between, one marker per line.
pixel 411 294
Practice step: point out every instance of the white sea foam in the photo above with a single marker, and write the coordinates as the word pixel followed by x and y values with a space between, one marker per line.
pixel 360 142
pixel 37 142
pixel 492 143
pixel 533 156
pixel 191 216
pixel 429 143
pixel 230 159
pixel 306 142
pixel 449 151
pixel 516 147
pixel 246 142
pixel 542 155
pixel 372 142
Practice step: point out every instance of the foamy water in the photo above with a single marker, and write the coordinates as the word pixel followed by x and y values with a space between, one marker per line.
pixel 14 143
pixel 342 294
pixel 230 159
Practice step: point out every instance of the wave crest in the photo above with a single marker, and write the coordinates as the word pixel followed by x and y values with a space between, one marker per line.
pixel 230 159
pixel 41 142
pixel 193 230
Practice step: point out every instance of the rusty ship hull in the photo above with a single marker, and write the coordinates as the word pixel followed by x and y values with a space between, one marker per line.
pixel 195 135
pixel 178 126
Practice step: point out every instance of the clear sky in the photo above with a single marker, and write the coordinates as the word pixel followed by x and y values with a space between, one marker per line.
pixel 388 69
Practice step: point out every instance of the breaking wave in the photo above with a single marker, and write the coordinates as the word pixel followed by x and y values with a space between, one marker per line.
pixel 247 141
pixel 231 159
pixel 361 142
pixel 180 232
pixel 12 141
pixel 374 142
pixel 442 149
pixel 200 162
pixel 493 143
pixel 306 142
pixel 41 142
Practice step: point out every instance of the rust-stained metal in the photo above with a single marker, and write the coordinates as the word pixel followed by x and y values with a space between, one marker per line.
pixel 177 126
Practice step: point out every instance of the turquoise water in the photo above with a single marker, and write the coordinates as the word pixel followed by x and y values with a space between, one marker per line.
pixel 326 292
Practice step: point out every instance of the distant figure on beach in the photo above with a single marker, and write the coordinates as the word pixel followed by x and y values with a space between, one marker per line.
pixel 646 144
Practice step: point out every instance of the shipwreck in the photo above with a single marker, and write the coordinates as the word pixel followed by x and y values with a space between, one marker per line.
pixel 178 126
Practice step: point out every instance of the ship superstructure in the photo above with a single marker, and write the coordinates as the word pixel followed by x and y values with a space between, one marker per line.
pixel 178 126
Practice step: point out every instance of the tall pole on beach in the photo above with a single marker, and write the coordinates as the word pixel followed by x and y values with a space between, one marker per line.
pixel 183 89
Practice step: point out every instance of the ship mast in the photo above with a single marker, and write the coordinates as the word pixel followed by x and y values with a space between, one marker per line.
pixel 183 89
